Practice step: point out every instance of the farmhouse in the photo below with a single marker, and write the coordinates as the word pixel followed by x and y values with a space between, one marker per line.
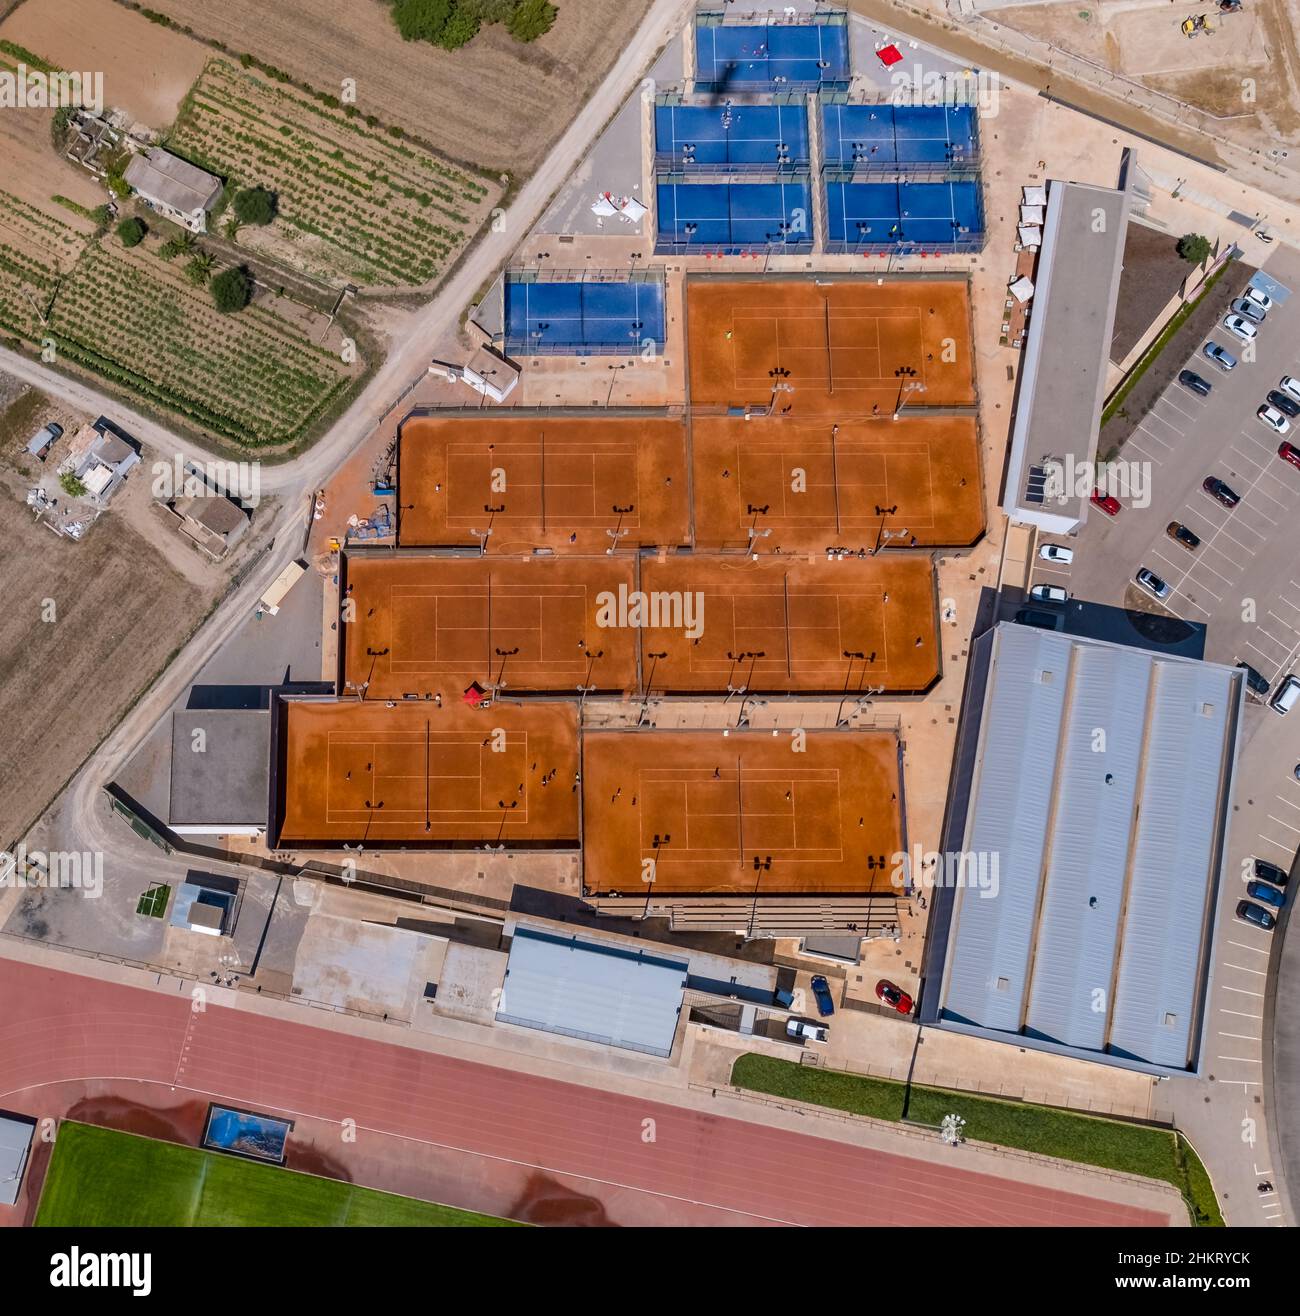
pixel 101 457
pixel 213 523
pixel 173 187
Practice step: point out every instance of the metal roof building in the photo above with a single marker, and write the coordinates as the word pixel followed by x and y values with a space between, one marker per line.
pixel 592 990
pixel 1090 798
pixel 1063 375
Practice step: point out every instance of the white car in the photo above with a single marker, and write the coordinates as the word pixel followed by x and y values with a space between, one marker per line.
pixel 1274 419
pixel 1048 594
pixel 1261 299
pixel 1056 553
pixel 1290 385
pixel 804 1030
pixel 1240 328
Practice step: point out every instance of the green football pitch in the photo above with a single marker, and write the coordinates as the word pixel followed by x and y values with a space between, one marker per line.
pixel 101 1177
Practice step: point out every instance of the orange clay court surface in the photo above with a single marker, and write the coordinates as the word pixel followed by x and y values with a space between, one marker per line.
pixel 802 488
pixel 828 818
pixel 355 771
pixel 785 624
pixel 569 482
pixel 848 345
pixel 424 624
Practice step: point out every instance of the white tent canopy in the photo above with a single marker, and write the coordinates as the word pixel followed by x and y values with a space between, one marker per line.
pixel 1022 289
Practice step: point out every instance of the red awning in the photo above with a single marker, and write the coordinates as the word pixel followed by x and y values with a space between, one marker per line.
pixel 475 695
pixel 888 55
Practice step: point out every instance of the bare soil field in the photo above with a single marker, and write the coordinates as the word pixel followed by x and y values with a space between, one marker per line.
pixel 147 68
pixel 119 610
pixel 496 103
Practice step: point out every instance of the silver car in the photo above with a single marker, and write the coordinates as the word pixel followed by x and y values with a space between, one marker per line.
pixel 1152 583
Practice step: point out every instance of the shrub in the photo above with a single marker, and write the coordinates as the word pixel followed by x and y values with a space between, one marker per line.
pixel 1194 248
pixel 255 205
pixel 199 269
pixel 232 290
pixel 119 187
pixel 460 29
pixel 531 19
pixel 177 246
pixel 421 20
pixel 71 485
pixel 131 232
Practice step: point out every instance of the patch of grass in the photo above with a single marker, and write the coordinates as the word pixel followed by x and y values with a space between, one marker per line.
pixel 1107 1144
pixel 101 1177
pixel 1179 318
pixel 153 904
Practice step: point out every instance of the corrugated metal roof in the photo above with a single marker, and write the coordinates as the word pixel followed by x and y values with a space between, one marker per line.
pixel 601 992
pixel 1100 787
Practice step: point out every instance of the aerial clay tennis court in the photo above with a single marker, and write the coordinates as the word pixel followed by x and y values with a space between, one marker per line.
pixel 694 812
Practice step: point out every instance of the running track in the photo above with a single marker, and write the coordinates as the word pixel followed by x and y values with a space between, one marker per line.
pixel 62 1027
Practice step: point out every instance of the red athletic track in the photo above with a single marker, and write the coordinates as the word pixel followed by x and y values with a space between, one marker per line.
pixel 58 1027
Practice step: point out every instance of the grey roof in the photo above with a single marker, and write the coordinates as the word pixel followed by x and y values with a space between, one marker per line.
pixel 161 176
pixel 594 990
pixel 1063 375
pixel 15 1141
pixel 226 784
pixel 1100 789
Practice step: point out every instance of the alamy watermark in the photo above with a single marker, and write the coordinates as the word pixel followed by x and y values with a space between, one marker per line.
pixel 921 87
pixel 215 479
pixel 64 870
pixel 34 89
pixel 980 870
pixel 681 610
pixel 1067 479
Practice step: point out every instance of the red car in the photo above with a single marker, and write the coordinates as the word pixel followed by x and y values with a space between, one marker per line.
pixel 1289 453
pixel 894 996
pixel 1107 504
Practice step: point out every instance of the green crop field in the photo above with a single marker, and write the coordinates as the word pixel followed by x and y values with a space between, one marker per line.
pixel 101 1177
pixel 354 202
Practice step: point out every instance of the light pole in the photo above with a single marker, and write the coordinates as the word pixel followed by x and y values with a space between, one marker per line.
pixel 645 702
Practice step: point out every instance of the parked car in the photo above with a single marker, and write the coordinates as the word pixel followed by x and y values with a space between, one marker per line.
pixel 1286 404
pixel 1288 453
pixel 804 1030
pixel 1152 583
pixel 1048 621
pixel 1287 693
pixel 1266 872
pixel 1221 358
pixel 1260 917
pixel 1258 297
pixel 1239 328
pixel 1219 491
pixel 1048 594
pixel 1056 553
pixel 1251 310
pixel 894 996
pixel 1107 503
pixel 1265 894
pixel 1290 385
pixel 1178 532
pixel 1190 379
pixel 1256 684
pixel 821 991
pixel 1274 419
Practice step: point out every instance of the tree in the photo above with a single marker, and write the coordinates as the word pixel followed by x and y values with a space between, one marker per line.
pixel 72 486
pixel 199 269
pixel 461 28
pixel 421 20
pixel 232 290
pixel 531 19
pixel 177 246
pixel 1194 248
pixel 131 232
pixel 255 205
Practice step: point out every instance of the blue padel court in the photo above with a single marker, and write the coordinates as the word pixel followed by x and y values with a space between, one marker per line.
pixel 583 317
pixel 947 216
pixel 753 135
pixel 734 217
pixel 767 55
pixel 862 136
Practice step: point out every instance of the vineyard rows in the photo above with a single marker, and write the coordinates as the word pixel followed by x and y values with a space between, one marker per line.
pixel 35 248
pixel 382 214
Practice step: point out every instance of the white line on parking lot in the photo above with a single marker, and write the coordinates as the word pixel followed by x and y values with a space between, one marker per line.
pixel 1287 825
pixel 1257 464
pixel 1239 1037
pixel 1137 447
pixel 1243 1060
pixel 1284 622
pixel 1205 566
pixel 1261 972
pixel 1156 438
pixel 1241 991
pixel 1240 1014
pixel 1287 847
pixel 1168 401
pixel 1241 945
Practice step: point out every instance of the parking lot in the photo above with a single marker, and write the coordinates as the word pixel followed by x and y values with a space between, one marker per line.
pixel 1242 581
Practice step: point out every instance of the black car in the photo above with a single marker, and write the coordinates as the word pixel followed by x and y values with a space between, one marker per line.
pixel 1256 684
pixel 1190 379
pixel 1049 621
pixel 821 991
pixel 1284 404
pixel 1267 872
pixel 1255 914
pixel 1219 491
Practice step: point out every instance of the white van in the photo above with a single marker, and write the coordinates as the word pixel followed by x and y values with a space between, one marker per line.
pixel 1287 693
pixel 804 1030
